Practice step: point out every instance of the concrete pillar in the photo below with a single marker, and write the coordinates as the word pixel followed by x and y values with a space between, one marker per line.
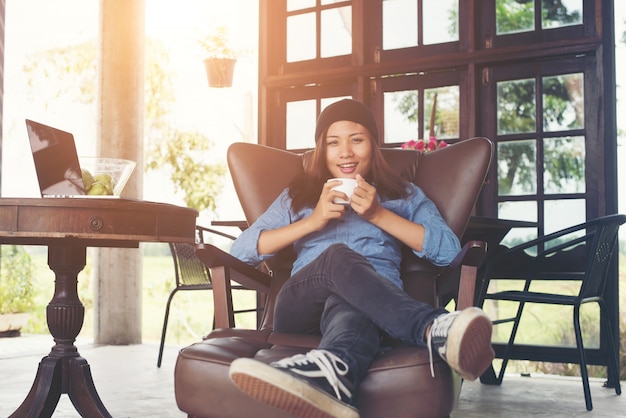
pixel 117 310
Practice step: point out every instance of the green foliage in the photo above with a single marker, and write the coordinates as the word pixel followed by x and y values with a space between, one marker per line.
pixel 591 327
pixel 159 90
pixel 519 165
pixel 519 15
pixel 514 16
pixel 16 289
pixel 216 43
pixel 555 11
pixel 68 71
pixel 182 156
pixel 516 106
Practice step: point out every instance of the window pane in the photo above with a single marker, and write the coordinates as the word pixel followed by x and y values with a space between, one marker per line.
pixel 557 13
pixel 514 16
pixel 564 160
pixel 399 24
pixel 301 37
pixel 518 211
pixel 562 213
pixel 336 32
pixel 517 174
pixel 299 4
pixel 516 106
pixel 440 21
pixel 301 120
pixel 447 113
pixel 330 100
pixel 401 116
pixel 563 102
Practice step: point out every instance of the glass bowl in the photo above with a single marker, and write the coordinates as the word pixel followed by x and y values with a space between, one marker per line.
pixel 105 176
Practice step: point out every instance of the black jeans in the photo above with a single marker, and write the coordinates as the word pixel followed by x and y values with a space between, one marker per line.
pixel 341 296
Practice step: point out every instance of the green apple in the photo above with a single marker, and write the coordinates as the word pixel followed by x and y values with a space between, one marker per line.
pixel 87 179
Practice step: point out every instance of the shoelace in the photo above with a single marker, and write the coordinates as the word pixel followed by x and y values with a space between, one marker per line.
pixel 439 328
pixel 329 365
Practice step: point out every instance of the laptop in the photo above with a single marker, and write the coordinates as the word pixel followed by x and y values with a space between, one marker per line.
pixel 56 161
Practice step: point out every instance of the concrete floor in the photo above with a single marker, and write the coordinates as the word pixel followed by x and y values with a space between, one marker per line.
pixel 130 385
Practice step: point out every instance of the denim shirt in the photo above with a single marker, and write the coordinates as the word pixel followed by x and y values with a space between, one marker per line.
pixel 381 249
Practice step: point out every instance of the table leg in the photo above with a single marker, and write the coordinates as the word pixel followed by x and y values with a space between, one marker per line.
pixel 64 370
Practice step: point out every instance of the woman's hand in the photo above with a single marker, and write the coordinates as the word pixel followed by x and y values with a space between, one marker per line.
pixel 365 203
pixel 325 210
pixel 273 240
pixel 365 199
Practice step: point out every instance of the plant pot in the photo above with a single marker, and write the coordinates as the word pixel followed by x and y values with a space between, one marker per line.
pixel 220 71
pixel 12 323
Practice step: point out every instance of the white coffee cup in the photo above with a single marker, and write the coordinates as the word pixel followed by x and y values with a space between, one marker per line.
pixel 347 186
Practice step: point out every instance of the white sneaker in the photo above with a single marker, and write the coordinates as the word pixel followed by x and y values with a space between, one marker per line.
pixel 463 340
pixel 312 385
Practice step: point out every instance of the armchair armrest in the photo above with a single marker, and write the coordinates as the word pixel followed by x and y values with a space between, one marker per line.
pixel 242 273
pixel 458 280
pixel 224 268
pixel 201 230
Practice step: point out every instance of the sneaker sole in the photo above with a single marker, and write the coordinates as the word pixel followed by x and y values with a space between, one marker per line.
pixel 280 389
pixel 470 334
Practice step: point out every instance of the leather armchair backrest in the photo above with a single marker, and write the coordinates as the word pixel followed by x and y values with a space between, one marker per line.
pixel 260 174
pixel 452 178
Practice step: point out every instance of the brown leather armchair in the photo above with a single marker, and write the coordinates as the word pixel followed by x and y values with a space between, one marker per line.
pixel 399 383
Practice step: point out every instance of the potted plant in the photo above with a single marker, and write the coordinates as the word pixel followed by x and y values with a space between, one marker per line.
pixel 221 57
pixel 17 295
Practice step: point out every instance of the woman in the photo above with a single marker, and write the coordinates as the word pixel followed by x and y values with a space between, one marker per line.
pixel 345 282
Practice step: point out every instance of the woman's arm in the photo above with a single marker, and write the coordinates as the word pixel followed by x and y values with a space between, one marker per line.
pixel 273 240
pixel 365 204
pixel 410 233
pixel 425 232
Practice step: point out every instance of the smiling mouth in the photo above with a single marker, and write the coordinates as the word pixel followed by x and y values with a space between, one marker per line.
pixel 349 165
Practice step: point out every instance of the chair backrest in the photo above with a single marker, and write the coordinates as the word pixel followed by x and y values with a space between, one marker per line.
pixel 602 246
pixel 189 270
pixel 582 251
pixel 452 177
pixel 260 174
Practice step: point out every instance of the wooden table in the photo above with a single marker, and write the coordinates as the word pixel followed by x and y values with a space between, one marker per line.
pixel 68 226
pixel 491 230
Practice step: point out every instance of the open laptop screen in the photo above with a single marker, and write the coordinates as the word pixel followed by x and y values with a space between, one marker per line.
pixel 56 160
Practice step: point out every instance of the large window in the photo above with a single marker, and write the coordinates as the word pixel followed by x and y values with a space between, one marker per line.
pixel 541 135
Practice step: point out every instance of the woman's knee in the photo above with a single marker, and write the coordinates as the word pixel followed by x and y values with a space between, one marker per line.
pixel 339 250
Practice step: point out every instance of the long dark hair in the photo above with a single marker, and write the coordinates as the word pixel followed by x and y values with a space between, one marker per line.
pixel 305 189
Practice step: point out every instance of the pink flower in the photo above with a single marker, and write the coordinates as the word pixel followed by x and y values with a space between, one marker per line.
pixel 423 145
pixel 413 144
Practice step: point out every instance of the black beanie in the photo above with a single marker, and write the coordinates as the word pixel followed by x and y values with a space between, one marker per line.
pixel 350 110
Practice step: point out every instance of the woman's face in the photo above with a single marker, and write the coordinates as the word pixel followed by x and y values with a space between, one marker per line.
pixel 348 149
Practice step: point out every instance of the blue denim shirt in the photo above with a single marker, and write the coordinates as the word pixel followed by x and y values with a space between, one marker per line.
pixel 381 249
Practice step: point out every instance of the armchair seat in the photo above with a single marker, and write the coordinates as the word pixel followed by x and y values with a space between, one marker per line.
pixel 399 382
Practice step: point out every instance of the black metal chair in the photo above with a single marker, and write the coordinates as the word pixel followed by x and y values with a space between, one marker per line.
pixel 190 274
pixel 593 243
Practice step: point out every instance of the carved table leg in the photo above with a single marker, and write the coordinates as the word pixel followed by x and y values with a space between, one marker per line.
pixel 63 370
